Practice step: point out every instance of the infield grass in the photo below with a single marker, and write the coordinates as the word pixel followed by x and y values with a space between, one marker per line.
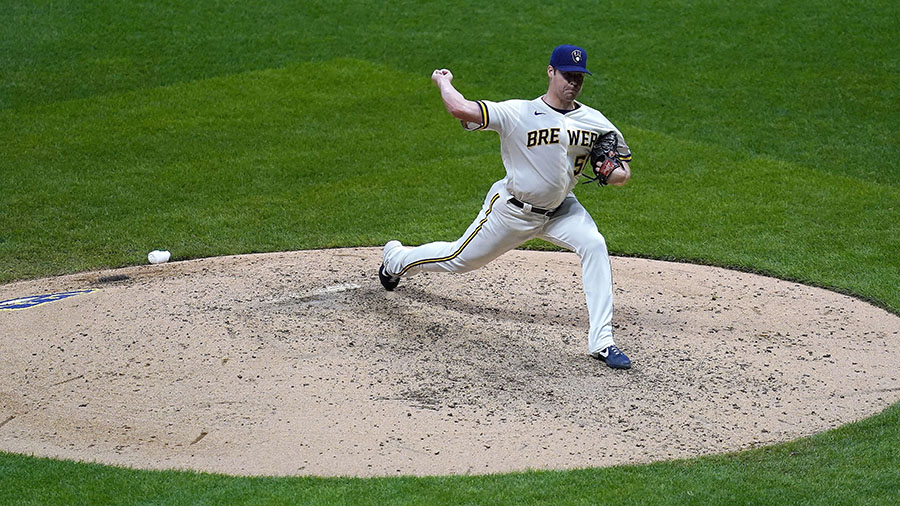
pixel 765 138
pixel 855 464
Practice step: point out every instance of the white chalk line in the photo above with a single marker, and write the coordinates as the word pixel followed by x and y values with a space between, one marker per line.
pixel 344 287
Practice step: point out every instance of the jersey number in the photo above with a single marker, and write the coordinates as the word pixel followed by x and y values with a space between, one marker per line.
pixel 580 163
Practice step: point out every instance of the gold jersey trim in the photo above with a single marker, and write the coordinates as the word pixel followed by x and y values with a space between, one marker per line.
pixel 484 115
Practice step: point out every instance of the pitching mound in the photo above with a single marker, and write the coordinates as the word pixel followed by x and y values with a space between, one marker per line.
pixel 300 363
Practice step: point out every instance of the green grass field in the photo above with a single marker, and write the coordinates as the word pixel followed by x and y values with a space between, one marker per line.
pixel 765 138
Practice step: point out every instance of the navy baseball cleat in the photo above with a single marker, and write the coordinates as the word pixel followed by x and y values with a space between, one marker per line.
pixel 387 281
pixel 613 357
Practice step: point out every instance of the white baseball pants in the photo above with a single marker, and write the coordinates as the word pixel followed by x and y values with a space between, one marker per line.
pixel 500 227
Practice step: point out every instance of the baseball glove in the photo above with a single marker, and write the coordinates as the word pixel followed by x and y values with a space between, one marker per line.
pixel 603 158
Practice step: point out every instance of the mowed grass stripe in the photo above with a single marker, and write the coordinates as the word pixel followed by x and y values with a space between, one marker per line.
pixel 277 159
pixel 307 157
pixel 810 82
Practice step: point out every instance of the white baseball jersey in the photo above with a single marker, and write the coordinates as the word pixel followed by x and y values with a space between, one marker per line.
pixel 544 151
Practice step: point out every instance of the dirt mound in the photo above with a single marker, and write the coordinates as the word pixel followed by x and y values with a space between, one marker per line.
pixel 300 363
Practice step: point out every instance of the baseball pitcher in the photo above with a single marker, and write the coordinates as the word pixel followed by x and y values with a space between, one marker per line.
pixel 546 144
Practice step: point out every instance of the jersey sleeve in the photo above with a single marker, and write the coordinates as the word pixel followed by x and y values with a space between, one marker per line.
pixel 496 116
pixel 622 149
pixel 485 118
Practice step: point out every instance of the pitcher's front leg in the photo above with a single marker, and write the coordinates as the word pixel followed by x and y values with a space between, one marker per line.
pixel 494 231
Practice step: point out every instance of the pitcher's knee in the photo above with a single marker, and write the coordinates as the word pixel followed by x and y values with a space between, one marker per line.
pixel 595 243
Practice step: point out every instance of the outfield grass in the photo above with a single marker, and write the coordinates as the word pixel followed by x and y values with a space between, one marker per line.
pixel 765 135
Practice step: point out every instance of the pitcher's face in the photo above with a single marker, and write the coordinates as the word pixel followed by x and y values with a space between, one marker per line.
pixel 566 86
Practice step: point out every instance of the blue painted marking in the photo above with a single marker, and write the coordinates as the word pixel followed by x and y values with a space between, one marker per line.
pixel 36 300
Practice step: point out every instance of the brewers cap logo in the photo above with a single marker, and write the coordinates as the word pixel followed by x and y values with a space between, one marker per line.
pixel 576 56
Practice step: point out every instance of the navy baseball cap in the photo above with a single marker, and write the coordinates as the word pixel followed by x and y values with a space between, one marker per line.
pixel 568 58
